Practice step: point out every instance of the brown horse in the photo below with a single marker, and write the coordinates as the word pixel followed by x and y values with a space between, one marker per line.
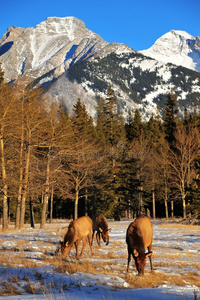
pixel 101 226
pixel 78 230
pixel 139 236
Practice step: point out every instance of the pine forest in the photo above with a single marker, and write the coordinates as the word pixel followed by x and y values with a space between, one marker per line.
pixel 55 165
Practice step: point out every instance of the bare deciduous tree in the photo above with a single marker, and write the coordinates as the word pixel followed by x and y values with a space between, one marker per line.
pixel 7 100
pixel 182 160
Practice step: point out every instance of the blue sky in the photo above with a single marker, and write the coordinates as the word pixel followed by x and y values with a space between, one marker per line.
pixel 136 23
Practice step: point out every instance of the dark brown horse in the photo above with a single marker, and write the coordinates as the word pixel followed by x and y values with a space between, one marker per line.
pixel 78 230
pixel 100 225
pixel 139 236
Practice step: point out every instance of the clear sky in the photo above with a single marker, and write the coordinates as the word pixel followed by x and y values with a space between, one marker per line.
pixel 136 23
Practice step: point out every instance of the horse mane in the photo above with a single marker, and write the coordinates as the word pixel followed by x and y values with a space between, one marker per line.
pixel 69 236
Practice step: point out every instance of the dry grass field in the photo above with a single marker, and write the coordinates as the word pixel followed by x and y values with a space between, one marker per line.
pixel 29 263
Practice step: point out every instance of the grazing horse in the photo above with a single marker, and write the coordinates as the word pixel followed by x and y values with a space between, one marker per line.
pixel 139 236
pixel 101 226
pixel 78 230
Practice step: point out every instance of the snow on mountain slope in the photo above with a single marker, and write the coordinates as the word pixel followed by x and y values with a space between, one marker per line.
pixel 139 82
pixel 177 47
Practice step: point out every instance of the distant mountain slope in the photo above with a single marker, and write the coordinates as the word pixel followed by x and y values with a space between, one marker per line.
pixel 71 61
pixel 138 81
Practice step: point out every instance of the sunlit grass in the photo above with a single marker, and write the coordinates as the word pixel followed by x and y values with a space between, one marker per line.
pixel 178 266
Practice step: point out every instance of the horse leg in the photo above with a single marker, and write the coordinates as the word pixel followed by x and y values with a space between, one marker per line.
pixel 149 250
pixel 84 243
pixel 76 247
pixel 93 231
pixel 98 238
pixel 129 259
pixel 90 241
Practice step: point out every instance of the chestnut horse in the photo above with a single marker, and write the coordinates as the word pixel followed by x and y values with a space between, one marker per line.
pixel 101 226
pixel 78 230
pixel 139 236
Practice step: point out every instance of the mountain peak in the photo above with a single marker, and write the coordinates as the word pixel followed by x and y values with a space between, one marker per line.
pixel 60 25
pixel 181 33
pixel 176 47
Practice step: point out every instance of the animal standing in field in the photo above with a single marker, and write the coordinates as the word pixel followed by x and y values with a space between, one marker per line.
pixel 139 236
pixel 78 230
pixel 100 225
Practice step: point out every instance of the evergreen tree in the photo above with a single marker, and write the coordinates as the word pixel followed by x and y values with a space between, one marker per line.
pixel 154 129
pixel 100 122
pixel 111 133
pixel 193 198
pixel 128 186
pixel 170 117
pixel 113 127
pixel 83 123
pixel 134 126
pixel 129 126
pixel 186 119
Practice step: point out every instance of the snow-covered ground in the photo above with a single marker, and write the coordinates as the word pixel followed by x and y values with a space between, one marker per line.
pixel 29 268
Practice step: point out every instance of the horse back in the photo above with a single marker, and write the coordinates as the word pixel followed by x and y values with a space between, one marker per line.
pixel 140 232
pixel 83 227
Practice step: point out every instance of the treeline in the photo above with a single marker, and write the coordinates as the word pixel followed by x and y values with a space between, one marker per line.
pixel 58 166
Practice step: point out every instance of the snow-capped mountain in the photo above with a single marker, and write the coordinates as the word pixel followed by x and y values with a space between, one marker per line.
pixel 53 46
pixel 71 61
pixel 177 47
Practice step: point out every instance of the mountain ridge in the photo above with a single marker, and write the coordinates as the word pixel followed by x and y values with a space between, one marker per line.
pixel 71 61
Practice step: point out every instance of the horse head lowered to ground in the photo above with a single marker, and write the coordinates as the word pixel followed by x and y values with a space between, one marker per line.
pixel 139 236
pixel 80 229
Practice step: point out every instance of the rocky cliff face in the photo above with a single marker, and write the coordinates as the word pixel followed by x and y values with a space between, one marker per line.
pixel 53 46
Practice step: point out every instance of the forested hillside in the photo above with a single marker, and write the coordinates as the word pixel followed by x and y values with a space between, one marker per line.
pixel 139 81
pixel 55 165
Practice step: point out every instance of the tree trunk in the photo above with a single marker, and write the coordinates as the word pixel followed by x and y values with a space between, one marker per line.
pixel 32 214
pixel 172 208
pixel 76 203
pixel 184 207
pixel 19 199
pixel 95 202
pixel 86 202
pixel 140 208
pixel 5 207
pixel 46 196
pixel 166 198
pixel 51 205
pixel 5 187
pixel 154 204
pixel 129 209
pixel 24 196
pixel 44 210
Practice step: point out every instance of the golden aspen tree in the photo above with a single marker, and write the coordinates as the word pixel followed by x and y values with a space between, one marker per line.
pixel 7 100
pixel 56 135
pixel 34 117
